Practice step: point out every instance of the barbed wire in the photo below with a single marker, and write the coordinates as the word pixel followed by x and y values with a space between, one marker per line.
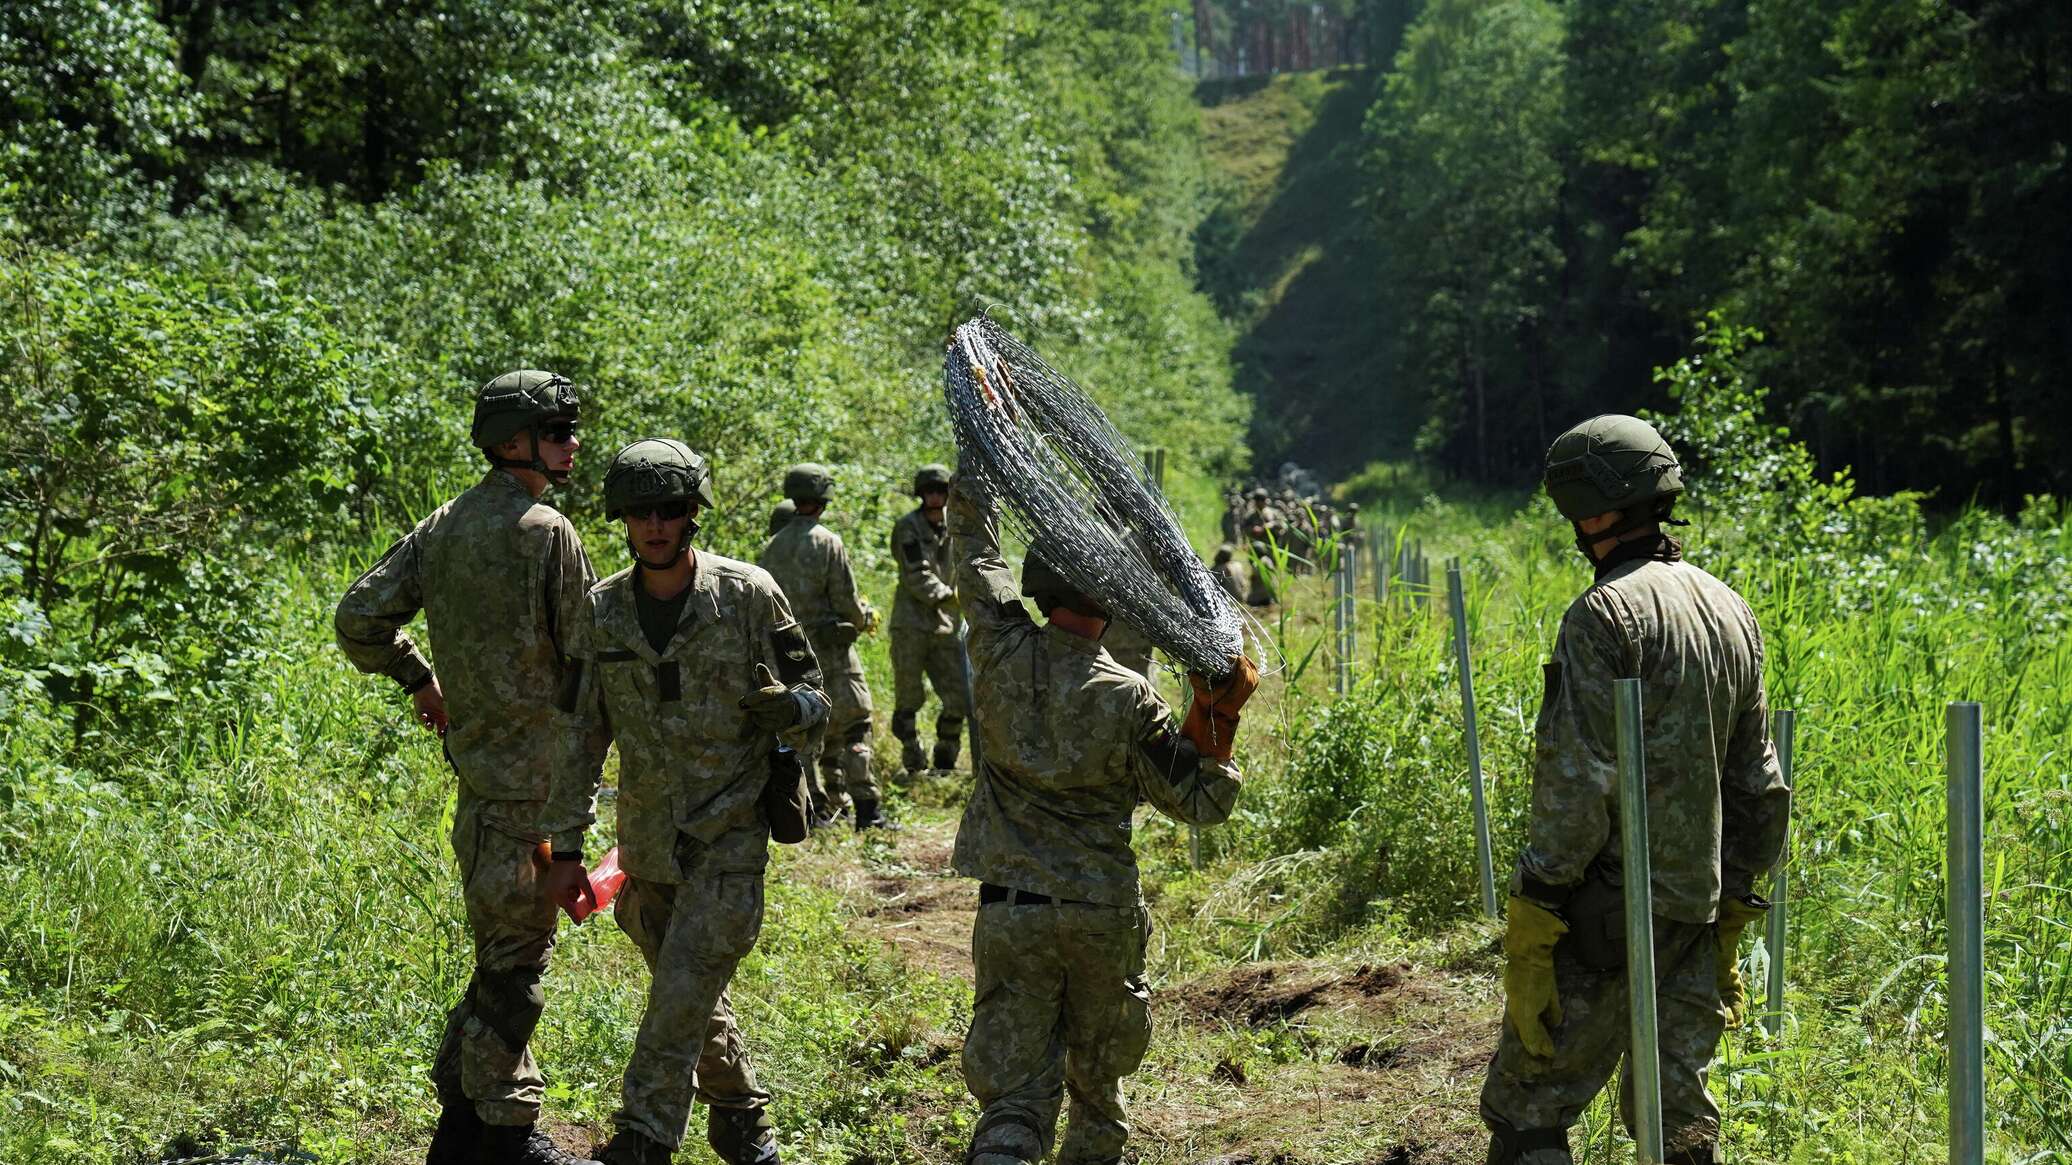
pixel 1070 483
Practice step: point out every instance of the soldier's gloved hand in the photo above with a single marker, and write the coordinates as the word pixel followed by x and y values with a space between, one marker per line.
pixel 1212 718
pixel 771 705
pixel 870 619
pixel 1734 916
pixel 1530 1000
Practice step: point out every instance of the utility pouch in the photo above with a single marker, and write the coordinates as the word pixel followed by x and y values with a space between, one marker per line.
pixel 785 802
pixel 1596 916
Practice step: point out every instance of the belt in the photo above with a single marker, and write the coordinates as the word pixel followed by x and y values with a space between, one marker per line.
pixel 988 894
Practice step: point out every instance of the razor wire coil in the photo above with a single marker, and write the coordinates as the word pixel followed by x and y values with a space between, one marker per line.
pixel 1070 483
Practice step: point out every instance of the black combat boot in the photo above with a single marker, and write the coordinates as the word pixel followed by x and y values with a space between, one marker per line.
pixel 869 816
pixel 946 748
pixel 742 1136
pixel 454 1140
pixel 523 1145
pixel 630 1148
pixel 911 758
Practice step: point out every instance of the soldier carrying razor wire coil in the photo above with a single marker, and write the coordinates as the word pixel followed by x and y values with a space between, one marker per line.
pixel 1716 814
pixel 1073 743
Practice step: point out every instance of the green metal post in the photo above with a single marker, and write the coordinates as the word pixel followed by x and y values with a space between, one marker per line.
pixel 1643 1057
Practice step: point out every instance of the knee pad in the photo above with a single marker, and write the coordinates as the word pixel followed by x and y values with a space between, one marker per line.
pixel 948 726
pixel 509 1003
pixel 903 723
pixel 1508 1145
pixel 857 733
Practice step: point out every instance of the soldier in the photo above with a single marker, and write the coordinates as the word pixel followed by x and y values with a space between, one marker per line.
pixel 1231 573
pixel 1716 812
pixel 500 577
pixel 809 561
pixel 693 664
pixel 1264 529
pixel 780 514
pixel 1072 742
pixel 924 628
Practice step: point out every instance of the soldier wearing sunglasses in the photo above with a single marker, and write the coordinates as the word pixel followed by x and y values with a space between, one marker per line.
pixel 500 578
pixel 693 665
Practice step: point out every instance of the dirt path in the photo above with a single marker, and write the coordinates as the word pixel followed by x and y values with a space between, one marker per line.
pixel 1281 1063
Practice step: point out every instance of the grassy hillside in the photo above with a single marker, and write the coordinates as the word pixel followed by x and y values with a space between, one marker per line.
pixel 1288 254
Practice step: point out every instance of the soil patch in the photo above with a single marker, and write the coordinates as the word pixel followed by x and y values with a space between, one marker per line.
pixel 1262 994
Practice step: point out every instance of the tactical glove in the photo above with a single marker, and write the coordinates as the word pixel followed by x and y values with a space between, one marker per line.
pixel 870 619
pixel 1530 1000
pixel 1213 717
pixel 771 706
pixel 1734 916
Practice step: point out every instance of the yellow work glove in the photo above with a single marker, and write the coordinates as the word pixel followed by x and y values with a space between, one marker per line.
pixel 1734 917
pixel 771 705
pixel 1530 1001
pixel 870 619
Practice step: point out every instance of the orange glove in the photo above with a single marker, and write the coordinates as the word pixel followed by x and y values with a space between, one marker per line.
pixel 1213 717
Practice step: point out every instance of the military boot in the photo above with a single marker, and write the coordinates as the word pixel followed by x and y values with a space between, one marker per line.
pixel 742 1136
pixel 911 758
pixel 870 816
pixel 522 1145
pixel 946 749
pixel 630 1148
pixel 454 1140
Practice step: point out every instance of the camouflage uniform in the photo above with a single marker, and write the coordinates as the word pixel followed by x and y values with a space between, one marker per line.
pixel 1072 742
pixel 1129 647
pixel 924 637
pixel 693 835
pixel 500 577
pixel 1716 812
pixel 1234 576
pixel 810 563
pixel 1265 528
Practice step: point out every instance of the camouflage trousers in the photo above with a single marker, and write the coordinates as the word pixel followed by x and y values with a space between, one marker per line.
pixel 484 1055
pixel 939 659
pixel 1524 1093
pixel 843 744
pixel 692 935
pixel 1061 1004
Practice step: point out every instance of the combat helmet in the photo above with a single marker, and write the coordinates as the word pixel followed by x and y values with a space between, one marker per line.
pixel 934 474
pixel 1042 581
pixel 519 402
pixel 1612 462
pixel 781 513
pixel 655 471
pixel 808 482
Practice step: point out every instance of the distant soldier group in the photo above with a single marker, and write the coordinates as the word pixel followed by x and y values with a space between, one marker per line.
pixel 736 700
pixel 1283 524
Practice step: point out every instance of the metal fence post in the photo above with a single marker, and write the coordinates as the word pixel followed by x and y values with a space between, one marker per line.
pixel 1966 761
pixel 1783 733
pixel 1644 1055
pixel 1338 673
pixel 1457 599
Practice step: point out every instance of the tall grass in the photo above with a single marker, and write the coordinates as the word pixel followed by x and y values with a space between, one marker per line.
pixel 1867 639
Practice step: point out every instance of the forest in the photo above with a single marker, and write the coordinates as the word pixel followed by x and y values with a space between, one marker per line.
pixel 257 257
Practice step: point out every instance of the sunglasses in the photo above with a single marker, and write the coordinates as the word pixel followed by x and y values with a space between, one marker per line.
pixel 666 511
pixel 560 434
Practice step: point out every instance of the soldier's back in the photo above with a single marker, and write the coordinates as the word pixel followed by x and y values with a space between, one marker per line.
pixel 1052 813
pixel 488 579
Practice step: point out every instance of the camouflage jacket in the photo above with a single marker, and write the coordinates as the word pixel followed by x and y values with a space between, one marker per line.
pixel 926 602
pixel 691 763
pixel 1717 802
pixel 1072 743
pixel 810 563
pixel 500 577
pixel 1128 646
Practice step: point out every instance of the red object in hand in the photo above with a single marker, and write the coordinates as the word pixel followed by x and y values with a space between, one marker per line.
pixel 605 881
